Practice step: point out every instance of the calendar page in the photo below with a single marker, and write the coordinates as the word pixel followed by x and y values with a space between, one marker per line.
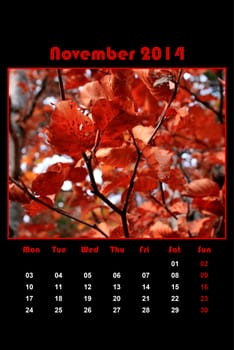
pixel 118 186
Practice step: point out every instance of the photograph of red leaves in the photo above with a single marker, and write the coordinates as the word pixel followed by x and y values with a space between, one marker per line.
pixel 117 153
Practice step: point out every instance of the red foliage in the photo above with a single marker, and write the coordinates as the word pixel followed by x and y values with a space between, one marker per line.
pixel 139 153
pixel 51 181
pixel 34 208
pixel 70 131
pixel 201 188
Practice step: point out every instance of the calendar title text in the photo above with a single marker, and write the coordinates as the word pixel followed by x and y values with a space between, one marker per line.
pixel 145 53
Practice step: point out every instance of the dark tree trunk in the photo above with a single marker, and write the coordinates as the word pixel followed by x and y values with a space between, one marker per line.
pixel 17 104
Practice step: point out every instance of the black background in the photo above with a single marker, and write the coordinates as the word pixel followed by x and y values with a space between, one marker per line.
pixel 207 35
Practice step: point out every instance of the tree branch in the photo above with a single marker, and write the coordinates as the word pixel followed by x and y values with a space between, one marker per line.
pixel 15 153
pixel 34 102
pixel 94 185
pixel 204 103
pixel 130 188
pixel 163 204
pixel 60 211
pixel 184 172
pixel 187 218
pixel 62 91
pixel 167 106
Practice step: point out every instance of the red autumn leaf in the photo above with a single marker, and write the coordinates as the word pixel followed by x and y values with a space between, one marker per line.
pixel 103 112
pixel 182 224
pixel 214 132
pixel 68 171
pixel 47 109
pixel 77 174
pixel 207 97
pixel 90 234
pixel 176 180
pixel 179 121
pixel 204 126
pixel 120 157
pixel 121 82
pixel 34 207
pixel 18 195
pixel 201 227
pixel 120 180
pixel 118 83
pixel 210 204
pixel 148 206
pixel 36 228
pixel 160 229
pixel 48 183
pixel 160 160
pixel 80 199
pixel 51 181
pixel 114 132
pixel 117 233
pixel 74 78
pixel 215 157
pixel 145 183
pixel 171 113
pixel 178 207
pixel 70 131
pixel 125 104
pixel 90 93
pixel 201 188
pixel 142 133
pixel 143 99
pixel 59 168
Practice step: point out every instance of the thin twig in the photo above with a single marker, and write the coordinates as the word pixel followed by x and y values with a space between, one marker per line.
pixel 58 210
pixel 62 91
pixel 204 103
pixel 190 234
pixel 159 123
pixel 162 205
pixel 95 217
pixel 184 173
pixel 187 218
pixel 166 107
pixel 130 188
pixel 162 192
pixel 164 201
pixel 94 185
